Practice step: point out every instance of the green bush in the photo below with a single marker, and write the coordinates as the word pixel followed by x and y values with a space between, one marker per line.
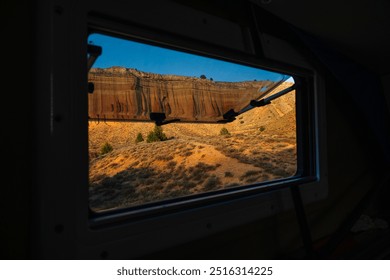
pixel 139 138
pixel 156 135
pixel 224 131
pixel 106 148
pixel 262 128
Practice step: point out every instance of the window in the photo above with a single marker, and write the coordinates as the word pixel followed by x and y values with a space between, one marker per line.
pixel 166 125
pixel 94 200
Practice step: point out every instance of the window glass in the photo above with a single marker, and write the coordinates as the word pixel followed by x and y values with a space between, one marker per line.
pixel 207 136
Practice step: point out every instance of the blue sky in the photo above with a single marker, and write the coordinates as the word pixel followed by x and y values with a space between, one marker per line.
pixel 147 58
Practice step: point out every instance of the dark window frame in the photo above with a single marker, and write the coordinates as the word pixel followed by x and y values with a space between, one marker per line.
pixel 304 131
pixel 64 227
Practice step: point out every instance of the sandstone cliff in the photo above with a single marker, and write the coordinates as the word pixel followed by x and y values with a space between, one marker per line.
pixel 128 94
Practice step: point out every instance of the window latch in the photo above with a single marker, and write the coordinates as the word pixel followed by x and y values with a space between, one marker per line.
pixel 93 53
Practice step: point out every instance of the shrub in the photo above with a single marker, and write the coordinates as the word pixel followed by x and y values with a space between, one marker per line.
pixel 251 180
pixel 204 167
pixel 164 157
pixel 250 173
pixel 109 182
pixel 203 76
pixel 156 135
pixel 171 164
pixel 212 183
pixel 139 138
pixel 106 148
pixel 262 128
pixel 224 131
pixel 152 137
pixel 186 153
pixel 188 184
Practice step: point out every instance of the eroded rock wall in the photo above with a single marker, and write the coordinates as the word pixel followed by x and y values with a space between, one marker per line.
pixel 123 94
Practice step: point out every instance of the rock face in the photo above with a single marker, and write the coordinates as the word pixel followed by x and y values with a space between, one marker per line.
pixel 128 94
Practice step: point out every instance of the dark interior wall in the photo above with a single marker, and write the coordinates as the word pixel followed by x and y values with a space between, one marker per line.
pixel 354 165
pixel 386 88
pixel 16 62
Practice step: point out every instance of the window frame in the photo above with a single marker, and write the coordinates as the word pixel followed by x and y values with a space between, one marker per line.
pixel 62 174
pixel 305 169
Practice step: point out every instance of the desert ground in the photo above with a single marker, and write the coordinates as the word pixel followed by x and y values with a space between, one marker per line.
pixel 196 158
